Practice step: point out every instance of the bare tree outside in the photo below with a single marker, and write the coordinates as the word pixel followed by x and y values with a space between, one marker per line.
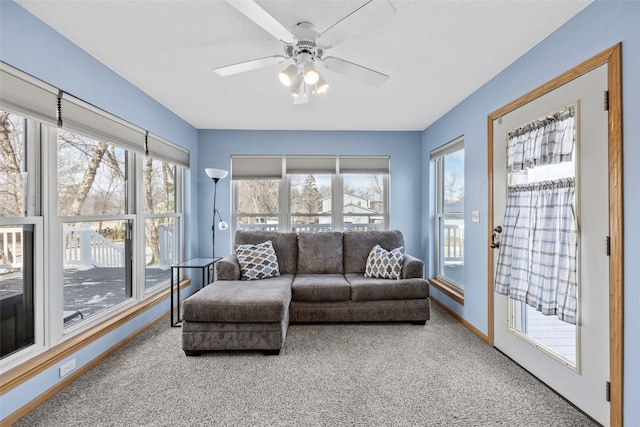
pixel 11 165
pixel 12 203
pixel 91 176
pixel 159 198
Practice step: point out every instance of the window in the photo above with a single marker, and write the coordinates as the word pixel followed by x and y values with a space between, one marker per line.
pixel 300 191
pixel 92 196
pixel 76 175
pixel 311 202
pixel 161 220
pixel 17 237
pixel 257 204
pixel 364 206
pixel 448 162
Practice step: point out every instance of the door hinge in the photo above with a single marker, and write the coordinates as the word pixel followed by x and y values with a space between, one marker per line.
pixel 607 247
pixel 606 100
pixel 608 391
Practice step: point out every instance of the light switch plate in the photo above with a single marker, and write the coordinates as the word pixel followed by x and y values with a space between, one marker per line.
pixel 475 216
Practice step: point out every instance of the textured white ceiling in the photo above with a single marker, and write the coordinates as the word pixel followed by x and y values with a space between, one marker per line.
pixel 436 53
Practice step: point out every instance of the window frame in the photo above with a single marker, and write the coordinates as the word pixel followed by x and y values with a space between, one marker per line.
pixel 447 286
pixel 32 99
pixel 379 165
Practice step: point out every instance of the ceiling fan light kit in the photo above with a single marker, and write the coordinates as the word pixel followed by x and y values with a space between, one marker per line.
pixel 305 48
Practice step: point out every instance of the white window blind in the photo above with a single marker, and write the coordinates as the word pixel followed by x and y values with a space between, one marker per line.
pixel 311 164
pixel 161 149
pixel 28 96
pixel 448 148
pixel 81 117
pixel 256 167
pixel 356 164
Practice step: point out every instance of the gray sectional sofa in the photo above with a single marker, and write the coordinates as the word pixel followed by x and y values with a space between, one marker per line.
pixel 321 280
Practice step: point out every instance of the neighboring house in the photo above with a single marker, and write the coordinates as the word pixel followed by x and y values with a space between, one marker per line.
pixel 368 211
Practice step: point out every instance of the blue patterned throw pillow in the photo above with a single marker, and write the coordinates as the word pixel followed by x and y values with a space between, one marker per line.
pixel 383 264
pixel 257 261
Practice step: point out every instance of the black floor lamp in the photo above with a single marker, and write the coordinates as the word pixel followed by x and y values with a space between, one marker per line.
pixel 216 175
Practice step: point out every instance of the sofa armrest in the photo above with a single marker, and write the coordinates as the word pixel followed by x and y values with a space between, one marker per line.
pixel 228 268
pixel 412 267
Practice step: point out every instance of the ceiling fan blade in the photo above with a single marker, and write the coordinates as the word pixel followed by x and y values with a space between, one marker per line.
pixel 365 18
pixel 349 69
pixel 254 64
pixel 253 11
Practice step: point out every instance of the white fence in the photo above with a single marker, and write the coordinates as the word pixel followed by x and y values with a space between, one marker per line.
pixel 167 246
pixel 453 243
pixel 11 250
pixel 311 227
pixel 85 248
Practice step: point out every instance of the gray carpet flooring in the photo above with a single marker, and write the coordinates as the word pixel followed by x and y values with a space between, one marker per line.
pixel 389 374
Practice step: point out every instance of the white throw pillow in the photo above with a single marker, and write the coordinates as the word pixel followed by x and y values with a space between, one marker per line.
pixel 383 264
pixel 257 261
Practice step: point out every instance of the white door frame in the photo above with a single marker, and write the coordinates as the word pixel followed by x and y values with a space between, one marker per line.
pixel 611 57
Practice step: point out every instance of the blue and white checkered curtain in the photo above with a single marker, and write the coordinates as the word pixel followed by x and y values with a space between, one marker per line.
pixel 537 262
pixel 542 142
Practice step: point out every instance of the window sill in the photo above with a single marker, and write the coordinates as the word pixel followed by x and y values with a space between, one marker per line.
pixel 449 289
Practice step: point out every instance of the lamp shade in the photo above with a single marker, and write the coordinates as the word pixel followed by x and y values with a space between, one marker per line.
pixel 311 75
pixel 321 86
pixel 216 174
pixel 288 75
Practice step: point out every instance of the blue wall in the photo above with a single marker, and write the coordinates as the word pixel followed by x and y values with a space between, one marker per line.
pixel 217 146
pixel 598 27
pixel 30 45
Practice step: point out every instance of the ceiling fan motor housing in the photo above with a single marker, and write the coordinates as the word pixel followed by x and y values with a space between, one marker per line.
pixel 306 48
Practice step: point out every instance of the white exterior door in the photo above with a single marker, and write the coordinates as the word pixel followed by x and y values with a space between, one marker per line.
pixel 573 360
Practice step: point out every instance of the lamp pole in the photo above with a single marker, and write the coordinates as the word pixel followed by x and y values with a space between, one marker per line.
pixel 215 175
pixel 213 220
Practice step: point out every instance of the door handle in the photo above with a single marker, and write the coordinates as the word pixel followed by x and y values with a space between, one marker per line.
pixel 495 240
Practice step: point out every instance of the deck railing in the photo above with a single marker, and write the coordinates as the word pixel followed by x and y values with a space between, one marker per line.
pixel 85 248
pixel 167 245
pixel 453 243
pixel 311 227
pixel 11 248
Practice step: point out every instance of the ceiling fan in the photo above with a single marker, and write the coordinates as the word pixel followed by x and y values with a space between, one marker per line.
pixel 304 47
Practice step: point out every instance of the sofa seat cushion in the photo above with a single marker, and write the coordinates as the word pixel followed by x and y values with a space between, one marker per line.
pixel 265 300
pixel 320 288
pixel 368 289
pixel 320 253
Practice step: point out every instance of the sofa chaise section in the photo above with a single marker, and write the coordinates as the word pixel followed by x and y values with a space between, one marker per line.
pixel 233 315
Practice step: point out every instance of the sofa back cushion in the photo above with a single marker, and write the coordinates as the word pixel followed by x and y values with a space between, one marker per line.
pixel 284 244
pixel 320 253
pixel 358 244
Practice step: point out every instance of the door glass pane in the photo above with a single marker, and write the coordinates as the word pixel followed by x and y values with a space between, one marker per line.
pixel 16 288
pixel 97 267
pixel 557 337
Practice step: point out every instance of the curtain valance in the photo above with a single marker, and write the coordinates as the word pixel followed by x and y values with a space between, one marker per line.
pixel 544 141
